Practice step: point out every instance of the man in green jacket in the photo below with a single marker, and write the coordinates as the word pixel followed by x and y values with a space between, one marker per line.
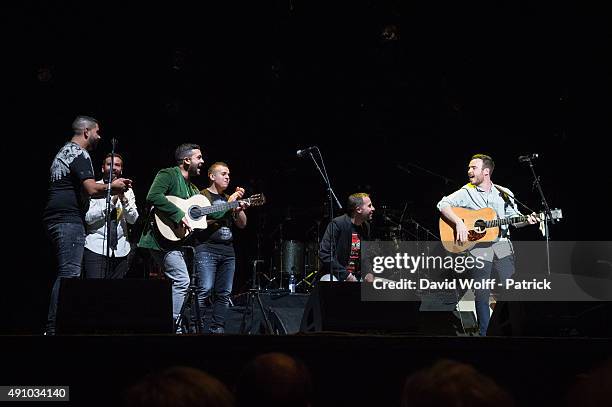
pixel 174 181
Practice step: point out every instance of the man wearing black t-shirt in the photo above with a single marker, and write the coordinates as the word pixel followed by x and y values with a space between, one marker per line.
pixel 346 233
pixel 72 184
pixel 215 258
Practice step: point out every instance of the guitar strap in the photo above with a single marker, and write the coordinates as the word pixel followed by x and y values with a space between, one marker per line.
pixel 516 201
pixel 507 202
pixel 505 196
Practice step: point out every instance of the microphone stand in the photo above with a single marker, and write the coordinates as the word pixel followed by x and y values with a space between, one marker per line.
pixel 401 220
pixel 446 180
pixel 331 196
pixel 547 213
pixel 108 221
pixel 417 225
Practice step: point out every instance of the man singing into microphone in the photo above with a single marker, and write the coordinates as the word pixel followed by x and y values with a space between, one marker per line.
pixel 480 193
pixel 123 212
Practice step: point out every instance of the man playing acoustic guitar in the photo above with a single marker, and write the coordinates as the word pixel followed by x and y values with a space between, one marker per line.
pixel 481 193
pixel 175 181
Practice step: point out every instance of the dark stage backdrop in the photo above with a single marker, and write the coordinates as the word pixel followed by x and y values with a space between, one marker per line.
pixel 397 97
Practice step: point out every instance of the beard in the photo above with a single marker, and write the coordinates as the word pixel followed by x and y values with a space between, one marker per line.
pixel 93 143
pixel 193 170
pixel 477 180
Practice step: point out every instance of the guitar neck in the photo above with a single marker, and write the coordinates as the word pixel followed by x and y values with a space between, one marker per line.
pixel 219 207
pixel 507 221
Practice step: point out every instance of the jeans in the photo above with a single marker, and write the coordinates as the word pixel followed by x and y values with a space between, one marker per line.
pixel 505 269
pixel 175 268
pixel 216 276
pixel 94 266
pixel 68 242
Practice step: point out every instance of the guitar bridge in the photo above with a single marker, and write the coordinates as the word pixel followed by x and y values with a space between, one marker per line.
pixel 474 236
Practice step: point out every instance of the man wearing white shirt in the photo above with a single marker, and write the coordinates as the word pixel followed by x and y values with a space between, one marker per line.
pixel 123 211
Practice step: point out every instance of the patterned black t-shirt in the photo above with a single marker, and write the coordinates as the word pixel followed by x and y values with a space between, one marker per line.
pixel 217 238
pixel 67 202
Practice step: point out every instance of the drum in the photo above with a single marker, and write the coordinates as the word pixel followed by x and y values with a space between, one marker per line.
pixel 292 257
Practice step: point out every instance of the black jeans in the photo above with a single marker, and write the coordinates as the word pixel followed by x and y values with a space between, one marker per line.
pixel 68 242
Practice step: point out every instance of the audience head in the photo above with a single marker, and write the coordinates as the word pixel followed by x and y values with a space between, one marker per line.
pixel 593 388
pixel 274 379
pixel 178 387
pixel 452 384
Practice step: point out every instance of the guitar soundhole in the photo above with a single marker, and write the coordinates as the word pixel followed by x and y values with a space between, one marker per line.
pixel 480 230
pixel 479 226
pixel 195 213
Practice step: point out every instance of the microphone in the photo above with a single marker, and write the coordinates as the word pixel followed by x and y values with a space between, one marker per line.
pixel 114 142
pixel 388 219
pixel 302 153
pixel 528 157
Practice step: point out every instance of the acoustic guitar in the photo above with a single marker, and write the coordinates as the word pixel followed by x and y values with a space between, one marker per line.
pixel 196 209
pixel 482 225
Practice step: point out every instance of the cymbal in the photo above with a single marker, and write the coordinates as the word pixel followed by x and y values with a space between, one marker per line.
pixel 391 212
pixel 386 228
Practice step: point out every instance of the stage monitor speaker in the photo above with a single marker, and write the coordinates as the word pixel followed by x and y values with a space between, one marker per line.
pixel 447 323
pixel 552 319
pixel 128 306
pixel 284 312
pixel 337 306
